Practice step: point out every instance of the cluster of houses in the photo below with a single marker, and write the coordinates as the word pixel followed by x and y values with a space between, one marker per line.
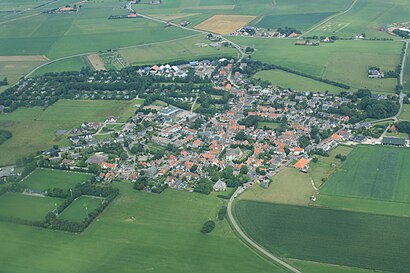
pixel 251 31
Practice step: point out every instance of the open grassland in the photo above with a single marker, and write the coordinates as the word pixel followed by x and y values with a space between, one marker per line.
pixel 326 166
pixel 26 207
pixel 280 78
pixel 373 172
pixel 79 209
pixel 343 61
pixel 34 129
pixel 287 187
pixel 224 24
pixel 329 236
pixel 43 179
pixel 366 16
pixel 405 115
pixel 193 47
pixel 138 232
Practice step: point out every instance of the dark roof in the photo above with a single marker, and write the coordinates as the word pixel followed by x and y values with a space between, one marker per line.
pixel 394 141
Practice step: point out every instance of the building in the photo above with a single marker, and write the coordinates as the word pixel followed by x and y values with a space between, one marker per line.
pixel 394 141
pixel 233 154
pixel 220 186
pixel 303 163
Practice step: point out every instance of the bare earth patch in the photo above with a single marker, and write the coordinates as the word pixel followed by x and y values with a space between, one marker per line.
pixel 225 24
pixel 23 58
pixel 96 61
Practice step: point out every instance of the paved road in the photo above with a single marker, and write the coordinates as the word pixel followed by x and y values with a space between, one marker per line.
pixel 251 242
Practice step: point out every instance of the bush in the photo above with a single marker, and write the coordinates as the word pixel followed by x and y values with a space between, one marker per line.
pixel 222 213
pixel 208 227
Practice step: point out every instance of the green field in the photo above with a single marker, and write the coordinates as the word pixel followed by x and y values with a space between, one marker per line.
pixel 280 78
pixel 43 179
pixel 270 125
pixel 34 128
pixel 72 64
pixel 14 70
pixel 26 207
pixel 78 210
pixel 372 172
pixel 405 115
pixel 337 237
pixel 138 232
pixel 343 61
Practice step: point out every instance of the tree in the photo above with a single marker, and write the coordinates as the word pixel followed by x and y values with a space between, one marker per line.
pixel 244 169
pixel 203 186
pixel 123 156
pixel 194 168
pixel 208 227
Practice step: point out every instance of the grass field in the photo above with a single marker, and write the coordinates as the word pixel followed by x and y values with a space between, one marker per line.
pixel 372 172
pixel 26 207
pixel 193 47
pixel 287 187
pixel 138 232
pixel 284 79
pixel 72 64
pixel 14 70
pixel 78 210
pixel 270 125
pixel 43 179
pixel 314 267
pixel 405 115
pixel 338 237
pixel 34 129
pixel 343 61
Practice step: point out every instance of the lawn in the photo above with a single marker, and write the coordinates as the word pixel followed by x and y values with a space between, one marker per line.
pixel 43 179
pixel 78 210
pixel 287 187
pixel 138 232
pixel 405 115
pixel 270 125
pixel 26 207
pixel 343 61
pixel 34 128
pixel 329 236
pixel 372 172
pixel 280 78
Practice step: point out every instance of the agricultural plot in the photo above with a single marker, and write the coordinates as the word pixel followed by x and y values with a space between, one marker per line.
pixel 284 79
pixel 328 236
pixel 14 70
pixel 96 62
pixel 25 207
pixel 71 64
pixel 136 224
pixel 224 24
pixel 301 21
pixel 43 179
pixel 343 61
pixel 79 209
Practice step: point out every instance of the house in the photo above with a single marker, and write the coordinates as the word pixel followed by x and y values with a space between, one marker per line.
pixel 374 73
pixel 106 165
pixel 394 141
pixel 303 163
pixel 220 186
pixel 233 154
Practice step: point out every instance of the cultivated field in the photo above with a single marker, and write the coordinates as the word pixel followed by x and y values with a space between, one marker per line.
pixel 96 61
pixel 329 236
pixel 43 179
pixel 17 205
pixel 224 24
pixel 343 61
pixel 79 209
pixel 135 234
pixel 14 70
pixel 280 78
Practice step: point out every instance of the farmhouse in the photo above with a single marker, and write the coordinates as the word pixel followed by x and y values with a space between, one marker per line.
pixel 374 73
pixel 394 141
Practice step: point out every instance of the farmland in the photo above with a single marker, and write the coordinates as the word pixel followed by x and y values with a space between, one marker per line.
pixel 26 207
pixel 330 61
pixel 43 179
pixel 367 241
pixel 79 209
pixel 34 129
pixel 405 115
pixel 71 64
pixel 136 224
pixel 224 24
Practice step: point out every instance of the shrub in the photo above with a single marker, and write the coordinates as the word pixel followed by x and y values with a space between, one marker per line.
pixel 208 227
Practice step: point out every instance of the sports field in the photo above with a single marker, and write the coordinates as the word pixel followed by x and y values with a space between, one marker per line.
pixel 79 209
pixel 138 232
pixel 343 61
pixel 17 205
pixel 35 130
pixel 373 172
pixel 280 78
pixel 43 179
pixel 337 237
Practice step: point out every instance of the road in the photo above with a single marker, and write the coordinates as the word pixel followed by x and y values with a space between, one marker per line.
pixel 251 242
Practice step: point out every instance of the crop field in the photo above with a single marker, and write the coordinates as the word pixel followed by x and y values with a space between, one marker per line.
pixel 182 49
pixel 43 179
pixel 35 130
pixel 225 24
pixel 373 172
pixel 283 79
pixel 26 207
pixel 135 234
pixel 329 236
pixel 96 62
pixel 79 209
pixel 343 61
pixel 300 21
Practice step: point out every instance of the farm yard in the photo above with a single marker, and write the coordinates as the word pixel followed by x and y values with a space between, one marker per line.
pixel 368 241
pixel 43 179
pixel 329 61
